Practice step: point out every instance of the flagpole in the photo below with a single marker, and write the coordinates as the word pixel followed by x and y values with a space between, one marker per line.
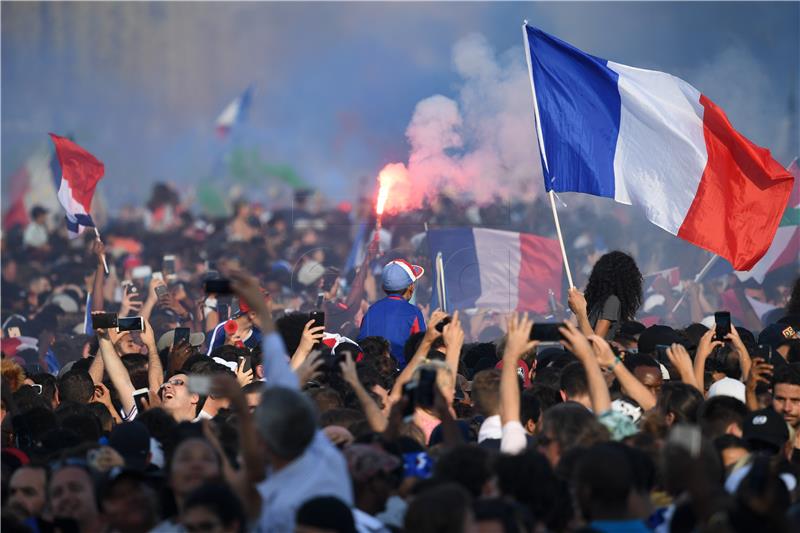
pixel 105 265
pixel 543 153
pixel 700 275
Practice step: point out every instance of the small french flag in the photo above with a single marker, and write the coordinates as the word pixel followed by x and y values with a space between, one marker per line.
pixel 233 113
pixel 647 138
pixel 80 172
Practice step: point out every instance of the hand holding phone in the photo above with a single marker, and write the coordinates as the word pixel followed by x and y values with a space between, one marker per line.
pixel 218 286
pixel 425 393
pixel 181 334
pixel 131 323
pixel 139 398
pixel 722 321
pixel 443 322
pixel 546 332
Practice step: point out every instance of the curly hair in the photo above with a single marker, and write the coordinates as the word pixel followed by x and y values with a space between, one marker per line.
pixel 615 273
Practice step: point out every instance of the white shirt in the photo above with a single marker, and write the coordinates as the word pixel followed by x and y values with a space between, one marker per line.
pixel 514 438
pixel 490 429
pixel 366 523
pixel 320 471
pixel 35 235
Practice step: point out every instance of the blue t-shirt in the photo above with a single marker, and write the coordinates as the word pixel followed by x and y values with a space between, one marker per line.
pixel 394 319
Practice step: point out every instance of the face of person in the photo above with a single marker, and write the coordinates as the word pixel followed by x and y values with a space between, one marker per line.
pixel 72 495
pixel 193 463
pixel 130 506
pixel 176 398
pixel 786 401
pixel 127 344
pixel 253 399
pixel 548 446
pixel 650 377
pixel 202 520
pixel 27 490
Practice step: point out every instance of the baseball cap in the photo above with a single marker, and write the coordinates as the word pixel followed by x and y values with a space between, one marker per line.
pixel 132 441
pixel 728 387
pixel 165 340
pixel 765 430
pixel 399 274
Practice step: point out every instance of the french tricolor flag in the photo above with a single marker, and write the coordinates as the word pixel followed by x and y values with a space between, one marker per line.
pixel 647 138
pixel 233 113
pixel 498 270
pixel 80 172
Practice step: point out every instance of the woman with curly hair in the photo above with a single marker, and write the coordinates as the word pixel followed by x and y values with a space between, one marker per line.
pixel 612 296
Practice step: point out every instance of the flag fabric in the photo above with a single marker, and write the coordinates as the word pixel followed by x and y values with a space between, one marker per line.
pixel 80 172
pixel 785 247
pixel 497 270
pixel 647 138
pixel 670 278
pixel 33 184
pixel 233 113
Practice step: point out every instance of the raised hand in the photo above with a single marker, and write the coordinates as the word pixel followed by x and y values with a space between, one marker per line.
pixel 518 341
pixel 577 302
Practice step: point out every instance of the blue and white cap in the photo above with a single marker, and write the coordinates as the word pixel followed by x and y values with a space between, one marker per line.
pixel 399 274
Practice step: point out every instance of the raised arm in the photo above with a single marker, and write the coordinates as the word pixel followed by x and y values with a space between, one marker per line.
pixel 99 250
pixel 431 334
pixel 577 303
pixel 117 372
pixel 518 343
pixel 704 349
pixel 453 341
pixel 155 371
pixel 634 387
pixel 311 335
pixel 745 362
pixel 577 343
pixel 680 359
pixel 377 420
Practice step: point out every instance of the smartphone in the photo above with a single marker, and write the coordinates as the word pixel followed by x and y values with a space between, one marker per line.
pixel 763 351
pixel 141 272
pixel 318 317
pixel 161 291
pixel 138 396
pixel 104 320
pixel 722 320
pixel 546 332
pixel 218 286
pixel 661 353
pixel 248 363
pixel 410 393
pixel 158 275
pixel 329 278
pixel 200 385
pixel 442 323
pixel 427 381
pixel 131 323
pixel 181 334
pixel 168 266
pixel 320 300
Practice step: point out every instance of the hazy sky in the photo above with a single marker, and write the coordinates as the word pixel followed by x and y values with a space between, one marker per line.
pixel 336 84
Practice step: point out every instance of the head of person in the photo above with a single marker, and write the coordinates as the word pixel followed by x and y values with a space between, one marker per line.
pixel 177 400
pixel 286 421
pixel 574 384
pixel 615 273
pixel 467 465
pixel 530 411
pixel 213 508
pixel 375 474
pixel 75 386
pixel 565 426
pixel 786 393
pixel 129 502
pixel 398 278
pixel 486 392
pixel 678 403
pixel 193 462
pixel 498 515
pixel 324 514
pixel 252 392
pixel 603 480
pixel 71 494
pixel 27 491
pixel 721 415
pixel 646 370
pixel 39 214
pixel 446 508
pixel 127 344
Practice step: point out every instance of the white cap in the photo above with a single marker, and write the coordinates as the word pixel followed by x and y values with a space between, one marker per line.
pixel 728 387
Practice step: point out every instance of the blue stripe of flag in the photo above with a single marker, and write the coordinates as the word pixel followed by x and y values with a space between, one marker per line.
pixel 462 272
pixel 579 111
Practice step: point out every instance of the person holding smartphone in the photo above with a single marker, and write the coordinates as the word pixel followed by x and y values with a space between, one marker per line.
pixel 613 295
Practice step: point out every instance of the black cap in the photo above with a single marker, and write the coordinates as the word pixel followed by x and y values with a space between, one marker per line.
pixel 765 430
pixel 132 441
pixel 655 335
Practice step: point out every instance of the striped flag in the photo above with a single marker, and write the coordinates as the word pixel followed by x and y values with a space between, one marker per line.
pixel 497 270
pixel 80 172
pixel 233 113
pixel 647 138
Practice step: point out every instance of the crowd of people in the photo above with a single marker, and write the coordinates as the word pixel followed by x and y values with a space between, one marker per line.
pixel 282 370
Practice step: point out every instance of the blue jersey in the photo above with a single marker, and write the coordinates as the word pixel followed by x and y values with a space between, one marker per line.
pixel 394 319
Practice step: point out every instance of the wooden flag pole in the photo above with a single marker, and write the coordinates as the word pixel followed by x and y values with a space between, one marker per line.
pixel 105 265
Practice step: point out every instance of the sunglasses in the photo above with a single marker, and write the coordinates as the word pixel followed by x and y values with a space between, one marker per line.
pixel 173 382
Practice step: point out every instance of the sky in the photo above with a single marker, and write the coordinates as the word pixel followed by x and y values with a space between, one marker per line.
pixel 342 89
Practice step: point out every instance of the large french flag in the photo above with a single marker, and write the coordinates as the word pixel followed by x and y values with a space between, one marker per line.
pixel 80 172
pixel 498 270
pixel 233 113
pixel 647 138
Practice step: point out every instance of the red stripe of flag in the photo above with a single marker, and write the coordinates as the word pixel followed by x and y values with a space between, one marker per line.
pixel 539 269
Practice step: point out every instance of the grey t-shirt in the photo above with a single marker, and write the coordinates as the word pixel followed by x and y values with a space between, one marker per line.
pixel 610 310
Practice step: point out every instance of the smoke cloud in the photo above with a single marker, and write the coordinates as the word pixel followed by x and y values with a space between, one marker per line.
pixel 480 144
